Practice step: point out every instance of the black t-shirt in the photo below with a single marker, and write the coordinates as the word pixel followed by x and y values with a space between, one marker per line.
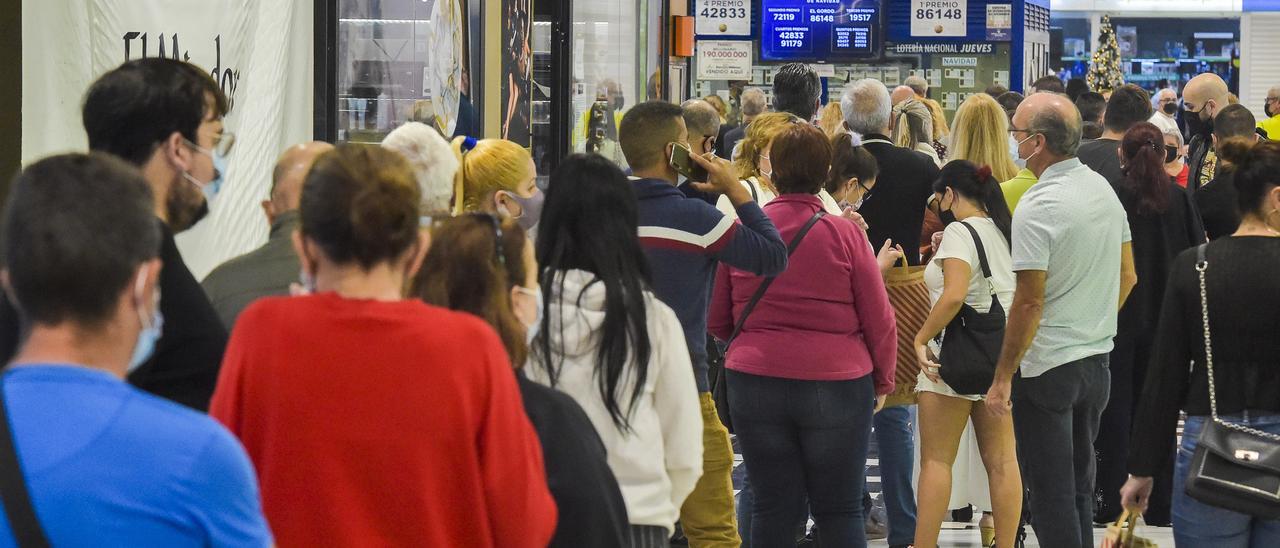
pixel 1218 205
pixel 1101 156
pixel 591 509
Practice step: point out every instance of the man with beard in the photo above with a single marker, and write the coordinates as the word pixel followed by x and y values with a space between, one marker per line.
pixel 1202 98
pixel 165 117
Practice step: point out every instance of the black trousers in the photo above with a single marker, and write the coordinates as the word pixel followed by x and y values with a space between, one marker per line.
pixel 1055 421
pixel 1128 372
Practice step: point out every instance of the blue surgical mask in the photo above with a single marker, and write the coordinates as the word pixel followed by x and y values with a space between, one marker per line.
pixel 149 335
pixel 211 188
pixel 531 331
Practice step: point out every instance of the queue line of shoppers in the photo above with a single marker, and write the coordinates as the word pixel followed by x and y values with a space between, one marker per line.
pixel 566 402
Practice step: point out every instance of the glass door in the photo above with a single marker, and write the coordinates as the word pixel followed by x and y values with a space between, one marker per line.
pixel 402 60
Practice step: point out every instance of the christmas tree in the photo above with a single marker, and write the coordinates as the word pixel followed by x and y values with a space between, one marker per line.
pixel 1104 71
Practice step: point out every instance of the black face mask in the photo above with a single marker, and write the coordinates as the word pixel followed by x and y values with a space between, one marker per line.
pixel 1170 108
pixel 1170 154
pixel 947 216
pixel 1197 125
pixel 1267 109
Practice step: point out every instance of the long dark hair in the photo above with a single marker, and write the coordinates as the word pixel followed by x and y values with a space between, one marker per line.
pixel 589 223
pixel 1143 167
pixel 848 161
pixel 979 186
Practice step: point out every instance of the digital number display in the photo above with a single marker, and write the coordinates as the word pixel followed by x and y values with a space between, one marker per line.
pixel 820 30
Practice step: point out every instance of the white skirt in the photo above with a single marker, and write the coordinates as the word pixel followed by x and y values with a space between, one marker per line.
pixel 923 384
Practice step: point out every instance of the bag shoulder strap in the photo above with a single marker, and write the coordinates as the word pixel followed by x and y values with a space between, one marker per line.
pixel 982 251
pixel 13 489
pixel 755 195
pixel 764 285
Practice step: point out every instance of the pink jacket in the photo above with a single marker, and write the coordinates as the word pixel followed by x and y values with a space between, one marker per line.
pixel 827 317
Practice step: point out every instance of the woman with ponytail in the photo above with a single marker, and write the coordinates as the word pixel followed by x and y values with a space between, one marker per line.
pixel 496 176
pixel 1242 294
pixel 970 203
pixel 1164 223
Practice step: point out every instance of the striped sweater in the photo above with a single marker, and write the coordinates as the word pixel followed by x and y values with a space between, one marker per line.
pixel 685 238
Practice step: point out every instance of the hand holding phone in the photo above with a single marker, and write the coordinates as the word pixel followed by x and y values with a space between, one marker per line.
pixel 682 161
pixel 722 178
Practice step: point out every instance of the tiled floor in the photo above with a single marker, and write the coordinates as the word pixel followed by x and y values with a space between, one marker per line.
pixel 1162 536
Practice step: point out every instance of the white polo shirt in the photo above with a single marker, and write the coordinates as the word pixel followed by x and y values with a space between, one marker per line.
pixel 1071 225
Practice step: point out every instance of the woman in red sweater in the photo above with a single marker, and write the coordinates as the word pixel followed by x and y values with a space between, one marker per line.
pixel 371 419
pixel 812 362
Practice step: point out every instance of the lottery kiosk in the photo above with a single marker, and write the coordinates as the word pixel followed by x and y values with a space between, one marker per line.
pixel 960 46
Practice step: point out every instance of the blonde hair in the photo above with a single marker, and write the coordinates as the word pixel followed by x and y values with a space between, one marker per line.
pixel 717 102
pixel 832 119
pixel 760 134
pixel 493 165
pixel 940 128
pixel 981 135
pixel 913 124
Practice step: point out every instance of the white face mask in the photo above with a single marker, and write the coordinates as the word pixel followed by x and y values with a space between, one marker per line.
pixel 1019 149
pixel 531 331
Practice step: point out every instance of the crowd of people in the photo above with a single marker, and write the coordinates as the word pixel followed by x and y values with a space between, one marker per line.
pixel 431 349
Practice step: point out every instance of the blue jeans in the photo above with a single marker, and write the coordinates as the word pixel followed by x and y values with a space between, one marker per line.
pixel 896 445
pixel 803 438
pixel 1198 524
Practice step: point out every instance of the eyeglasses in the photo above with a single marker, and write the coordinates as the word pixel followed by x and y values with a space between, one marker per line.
pixel 1019 130
pixel 497 235
pixel 222 144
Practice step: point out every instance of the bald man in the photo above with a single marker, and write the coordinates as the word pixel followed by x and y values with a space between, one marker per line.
pixel 1074 267
pixel 901 93
pixel 1202 98
pixel 270 269
pixel 1271 124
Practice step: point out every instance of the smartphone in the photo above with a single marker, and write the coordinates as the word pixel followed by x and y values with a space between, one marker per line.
pixel 685 165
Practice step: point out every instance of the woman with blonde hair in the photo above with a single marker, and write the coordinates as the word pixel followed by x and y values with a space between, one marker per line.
pixel 832 119
pixel 754 167
pixel 981 135
pixel 913 128
pixel 496 176
pixel 940 129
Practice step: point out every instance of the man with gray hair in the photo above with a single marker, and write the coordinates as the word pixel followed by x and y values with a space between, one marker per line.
pixel 1074 266
pixel 918 85
pixel 703 123
pixel 753 104
pixel 894 210
pixel 1165 105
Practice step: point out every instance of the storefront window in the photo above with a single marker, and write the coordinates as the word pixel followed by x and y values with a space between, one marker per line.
pixel 403 60
pixel 616 64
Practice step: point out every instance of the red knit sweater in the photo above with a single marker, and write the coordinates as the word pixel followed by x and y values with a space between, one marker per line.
pixel 383 423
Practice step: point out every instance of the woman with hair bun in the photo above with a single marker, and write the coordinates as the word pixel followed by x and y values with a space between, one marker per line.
pixel 496 176
pixel 369 417
pixel 978 225
pixel 1163 222
pixel 1242 295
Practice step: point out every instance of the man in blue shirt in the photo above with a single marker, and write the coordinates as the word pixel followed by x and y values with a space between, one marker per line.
pixel 102 463
pixel 685 238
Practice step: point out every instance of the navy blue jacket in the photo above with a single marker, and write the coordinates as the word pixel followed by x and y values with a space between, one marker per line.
pixel 684 238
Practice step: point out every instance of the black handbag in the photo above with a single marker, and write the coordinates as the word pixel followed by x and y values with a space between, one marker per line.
pixel 23 521
pixel 720 385
pixel 1234 467
pixel 972 341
